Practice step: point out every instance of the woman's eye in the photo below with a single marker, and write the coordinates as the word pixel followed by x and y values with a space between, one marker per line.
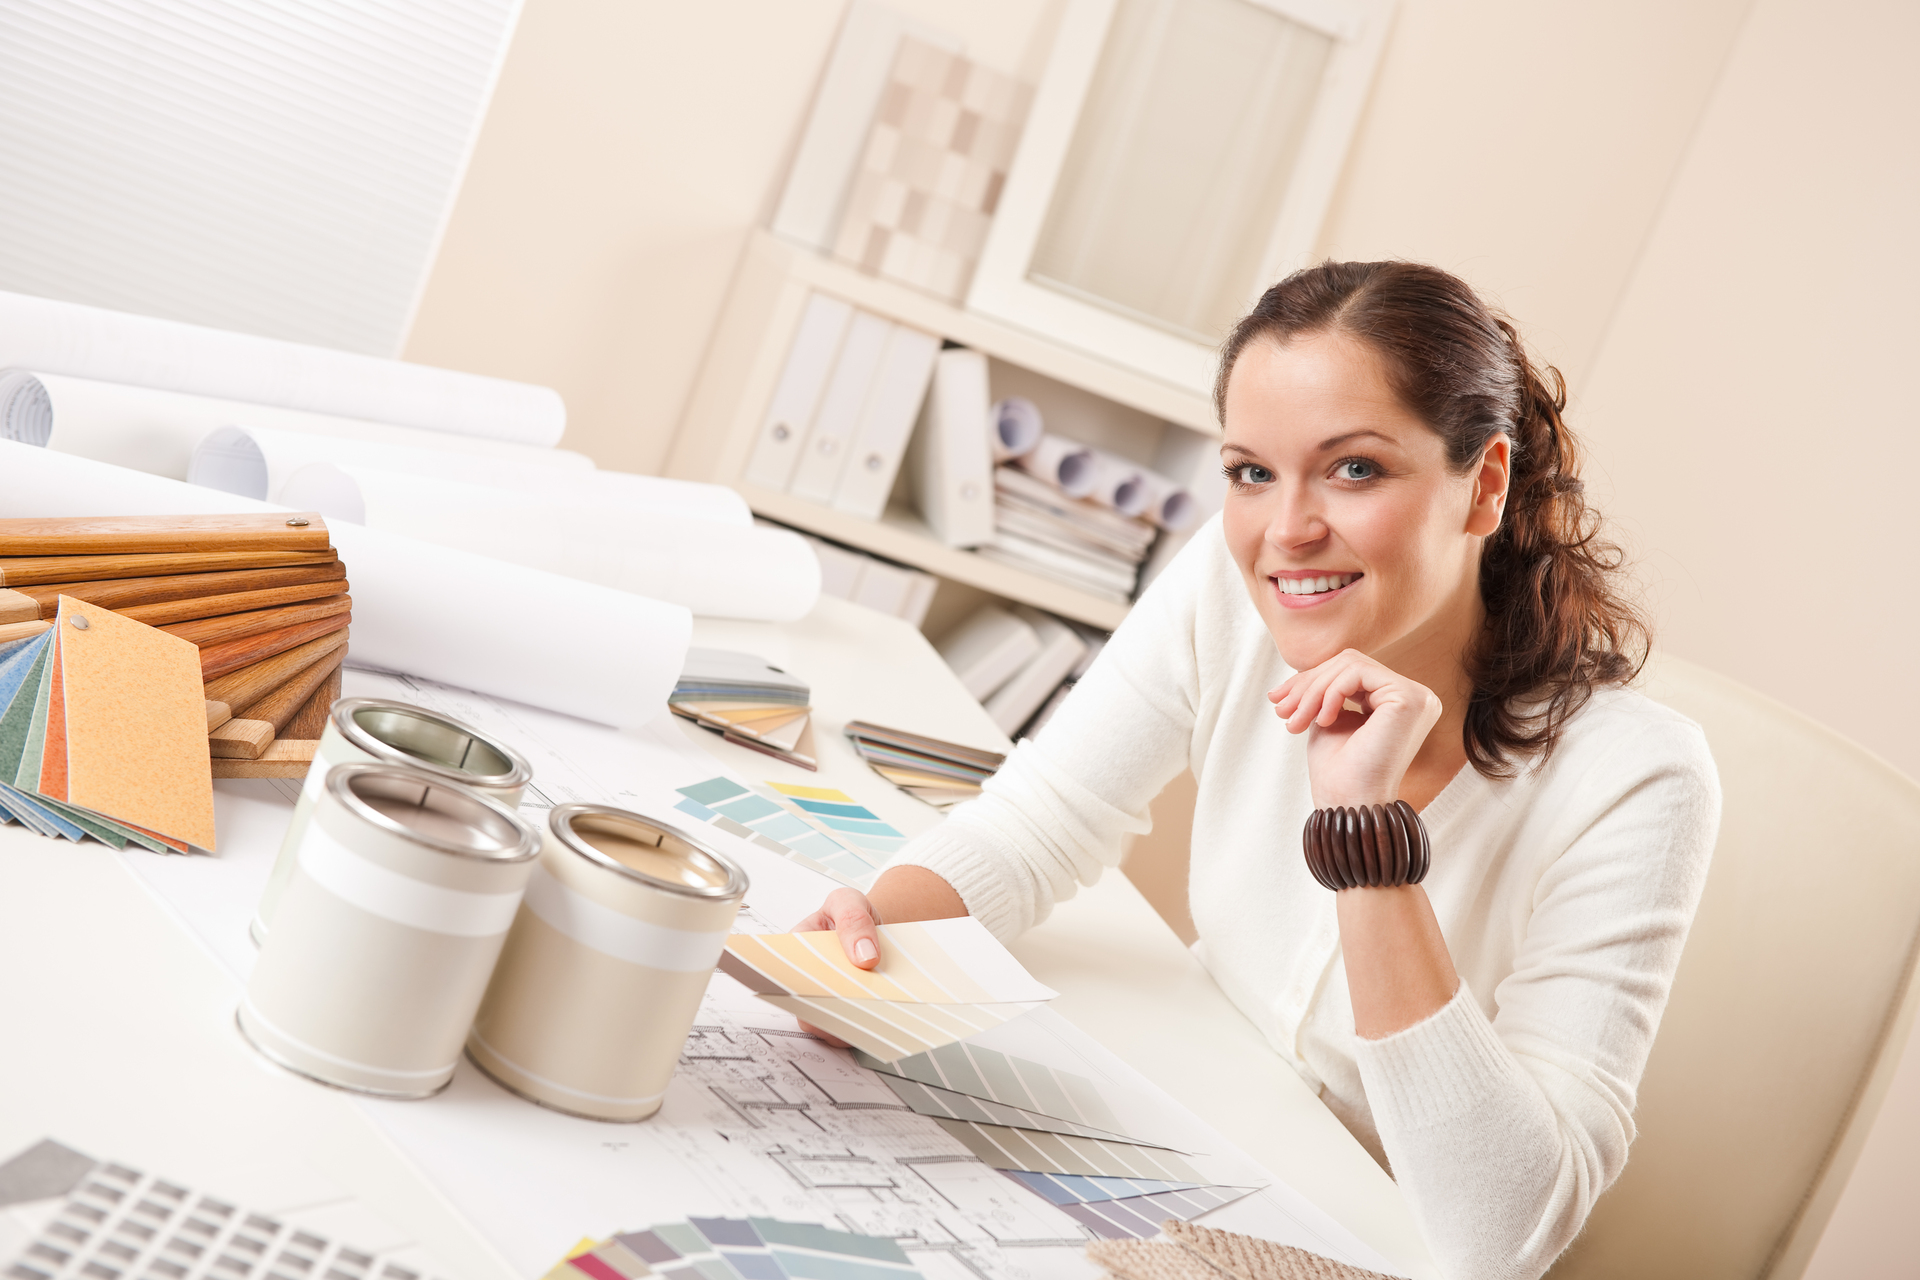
pixel 1248 473
pixel 1355 469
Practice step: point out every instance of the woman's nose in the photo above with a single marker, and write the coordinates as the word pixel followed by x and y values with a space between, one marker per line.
pixel 1296 520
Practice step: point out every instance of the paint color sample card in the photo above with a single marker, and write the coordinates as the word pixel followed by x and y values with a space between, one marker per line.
pixel 738 1249
pixel 818 827
pixel 103 733
pixel 980 1072
pixel 938 981
pixel 945 1104
pixel 1028 1150
pixel 1136 1215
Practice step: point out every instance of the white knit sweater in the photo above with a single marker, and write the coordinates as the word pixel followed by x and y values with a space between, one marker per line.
pixel 1564 894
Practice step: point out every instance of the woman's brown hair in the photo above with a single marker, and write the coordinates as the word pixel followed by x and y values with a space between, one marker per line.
pixel 1558 622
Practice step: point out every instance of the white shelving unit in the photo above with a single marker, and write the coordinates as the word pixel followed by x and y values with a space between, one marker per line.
pixel 749 348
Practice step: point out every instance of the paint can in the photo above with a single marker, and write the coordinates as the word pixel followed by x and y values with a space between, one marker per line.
pixel 622 924
pixel 389 732
pixel 403 890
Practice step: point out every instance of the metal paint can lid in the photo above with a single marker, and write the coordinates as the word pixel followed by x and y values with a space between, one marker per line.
pixel 657 854
pixel 425 809
pixel 405 734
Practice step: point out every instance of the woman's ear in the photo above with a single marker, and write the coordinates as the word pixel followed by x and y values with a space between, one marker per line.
pixel 1490 487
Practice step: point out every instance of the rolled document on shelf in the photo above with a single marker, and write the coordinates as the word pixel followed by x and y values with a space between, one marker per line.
pixel 1017 428
pixel 1167 504
pixel 1118 483
pixel 1065 464
pixel 715 569
pixel 260 462
pixel 449 615
pixel 144 351
pixel 157 431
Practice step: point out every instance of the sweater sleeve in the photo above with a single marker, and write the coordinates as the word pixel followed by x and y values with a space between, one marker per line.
pixel 1502 1133
pixel 1059 811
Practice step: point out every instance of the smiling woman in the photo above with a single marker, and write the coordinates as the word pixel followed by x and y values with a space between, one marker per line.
pixel 1442 856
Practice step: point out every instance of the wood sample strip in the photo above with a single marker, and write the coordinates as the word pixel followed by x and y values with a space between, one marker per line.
pixel 16 607
pixel 126 535
pixel 311 720
pixel 172 611
pixel 279 707
pixel 286 758
pixel 240 740
pixel 248 685
pixel 217 660
pixel 16 571
pixel 22 630
pixel 218 713
pixel 122 595
pixel 206 632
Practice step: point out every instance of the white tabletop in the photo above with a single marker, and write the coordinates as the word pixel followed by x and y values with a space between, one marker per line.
pixel 117 1036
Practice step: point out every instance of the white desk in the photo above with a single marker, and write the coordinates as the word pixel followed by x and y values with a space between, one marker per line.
pixel 116 1031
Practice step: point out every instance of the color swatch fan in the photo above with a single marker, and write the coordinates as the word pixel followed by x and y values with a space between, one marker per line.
pixel 749 702
pixel 104 733
pixel 738 1249
pixel 938 981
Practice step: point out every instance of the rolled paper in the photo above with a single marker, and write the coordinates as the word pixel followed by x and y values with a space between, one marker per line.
pixel 1017 428
pixel 136 351
pixel 1119 484
pixel 1062 463
pixel 1167 504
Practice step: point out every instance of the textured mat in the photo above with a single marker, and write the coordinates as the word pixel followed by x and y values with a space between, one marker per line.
pixel 1193 1252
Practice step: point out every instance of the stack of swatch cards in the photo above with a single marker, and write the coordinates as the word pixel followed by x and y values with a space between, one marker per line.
pixel 940 773
pixel 737 1249
pixel 103 733
pixel 938 981
pixel 749 702
pixel 818 827
pixel 1051 1132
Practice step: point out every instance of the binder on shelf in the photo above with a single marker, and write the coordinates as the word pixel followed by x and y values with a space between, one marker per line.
pixel 1061 650
pixel 988 649
pixel 951 458
pixel 783 431
pixel 899 387
pixel 824 457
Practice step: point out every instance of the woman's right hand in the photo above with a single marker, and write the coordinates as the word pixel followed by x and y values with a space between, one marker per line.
pixel 848 913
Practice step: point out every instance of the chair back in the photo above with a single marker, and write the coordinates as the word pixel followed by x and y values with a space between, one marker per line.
pixel 1791 1005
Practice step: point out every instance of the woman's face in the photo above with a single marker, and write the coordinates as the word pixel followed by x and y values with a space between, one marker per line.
pixel 1348 526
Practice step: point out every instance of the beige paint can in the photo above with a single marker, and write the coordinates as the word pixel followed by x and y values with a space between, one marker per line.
pixel 615 941
pixel 403 890
pixel 388 732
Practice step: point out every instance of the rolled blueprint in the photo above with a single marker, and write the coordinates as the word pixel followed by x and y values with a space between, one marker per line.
pixel 1017 428
pixel 157 431
pixel 1062 463
pixel 1119 484
pixel 717 570
pixel 142 351
pixel 452 616
pixel 1167 504
pixel 259 462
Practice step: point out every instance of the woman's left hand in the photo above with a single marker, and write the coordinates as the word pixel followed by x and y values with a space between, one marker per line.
pixel 1356 758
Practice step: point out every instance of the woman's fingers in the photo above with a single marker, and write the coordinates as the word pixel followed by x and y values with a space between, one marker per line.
pixel 850 915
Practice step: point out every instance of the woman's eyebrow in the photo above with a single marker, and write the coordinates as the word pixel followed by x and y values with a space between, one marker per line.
pixel 1334 442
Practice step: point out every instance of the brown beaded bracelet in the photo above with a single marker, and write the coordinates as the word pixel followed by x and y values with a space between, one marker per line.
pixel 1376 846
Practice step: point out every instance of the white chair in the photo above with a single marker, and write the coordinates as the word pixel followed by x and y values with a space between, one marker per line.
pixel 1793 1000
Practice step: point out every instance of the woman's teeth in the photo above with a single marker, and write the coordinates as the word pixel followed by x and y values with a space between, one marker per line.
pixel 1314 586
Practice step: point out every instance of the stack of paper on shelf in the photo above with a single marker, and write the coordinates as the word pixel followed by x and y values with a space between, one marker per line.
pixel 938 981
pixel 822 829
pixel 103 733
pixel 1075 541
pixel 940 773
pixel 749 702
pixel 1061 649
pixel 261 599
pixel 737 1249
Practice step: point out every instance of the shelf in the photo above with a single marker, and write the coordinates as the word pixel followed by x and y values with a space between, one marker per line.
pixel 1148 394
pixel 900 535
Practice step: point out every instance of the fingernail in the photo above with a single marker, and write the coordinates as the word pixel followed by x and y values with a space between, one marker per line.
pixel 864 950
